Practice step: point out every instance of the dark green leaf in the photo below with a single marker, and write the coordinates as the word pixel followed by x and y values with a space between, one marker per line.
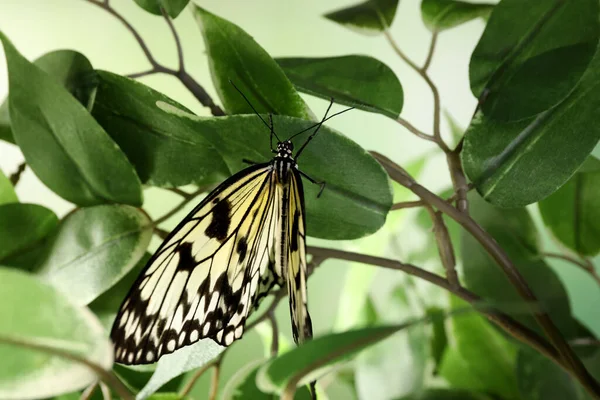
pixel 234 56
pixel 33 313
pixel 138 376
pixel 572 212
pixel 370 17
pixel 172 7
pixel 540 379
pixel 439 338
pixel 480 358
pixel 357 196
pixel 358 81
pixel 165 150
pixel 446 394
pixel 7 191
pixel 62 143
pixel 22 226
pixel 515 232
pixel 509 66
pixel 323 351
pixel 518 163
pixel 94 248
pixel 69 68
pixel 439 15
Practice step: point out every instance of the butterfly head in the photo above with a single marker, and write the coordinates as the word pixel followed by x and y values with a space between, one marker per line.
pixel 285 149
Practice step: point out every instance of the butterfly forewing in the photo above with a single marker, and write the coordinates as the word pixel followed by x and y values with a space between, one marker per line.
pixel 209 273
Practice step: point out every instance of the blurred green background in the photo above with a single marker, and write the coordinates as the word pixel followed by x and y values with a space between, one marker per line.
pixel 286 29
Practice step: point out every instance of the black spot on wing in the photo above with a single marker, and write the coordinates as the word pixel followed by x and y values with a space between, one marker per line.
pixel 186 259
pixel 219 225
pixel 242 248
pixel 295 232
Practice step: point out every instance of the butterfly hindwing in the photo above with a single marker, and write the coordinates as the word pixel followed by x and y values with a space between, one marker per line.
pixel 208 274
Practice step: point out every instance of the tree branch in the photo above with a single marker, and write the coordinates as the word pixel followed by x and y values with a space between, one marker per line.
pixel 584 264
pixel 398 174
pixel 274 333
pixel 181 66
pixel 427 62
pixel 444 245
pixel 180 206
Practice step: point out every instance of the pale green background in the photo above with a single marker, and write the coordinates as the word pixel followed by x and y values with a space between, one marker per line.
pixel 283 28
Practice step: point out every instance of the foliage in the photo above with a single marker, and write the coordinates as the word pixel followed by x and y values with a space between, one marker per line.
pixel 502 328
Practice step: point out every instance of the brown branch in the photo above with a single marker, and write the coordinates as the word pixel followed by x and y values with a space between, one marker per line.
pixel 575 365
pixel 16 176
pixel 214 382
pixel 444 245
pixel 274 333
pixel 169 21
pixel 411 128
pixel 216 362
pixel 584 264
pixel 407 204
pixel 180 206
pixel 180 192
pixel 427 62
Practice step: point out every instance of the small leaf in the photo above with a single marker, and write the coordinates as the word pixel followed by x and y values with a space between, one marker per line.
pixel 234 56
pixel 480 358
pixel 164 149
pixel 439 15
pixel 22 226
pixel 357 195
pixel 371 17
pixel 7 191
pixel 518 163
pixel 358 81
pixel 183 360
pixel 439 338
pixel 446 394
pixel 515 232
pixel 35 314
pixel 315 354
pixel 509 66
pixel 61 142
pixel 572 212
pixel 94 248
pixel 5 131
pixel 172 7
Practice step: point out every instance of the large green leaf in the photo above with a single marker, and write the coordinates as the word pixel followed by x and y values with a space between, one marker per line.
pixel 234 56
pixel 7 191
pixel 165 150
pixel 518 163
pixel 510 65
pixel 94 248
pixel 371 17
pixel 439 15
pixel 358 81
pixel 515 232
pixel 35 314
pixel 172 7
pixel 22 226
pixel 62 143
pixel 572 212
pixel 67 67
pixel 480 358
pixel 357 196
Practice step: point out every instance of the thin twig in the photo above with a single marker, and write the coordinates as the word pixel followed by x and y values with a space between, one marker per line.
pixel 214 383
pixel 277 296
pixel 180 192
pixel 398 174
pixel 16 176
pixel 274 333
pixel 169 21
pixel 414 130
pixel 107 376
pixel 197 375
pixel 407 204
pixel 427 62
pixel 89 391
pixel 180 206
pixel 584 264
pixel 141 74
pixel 444 245
pixel 161 233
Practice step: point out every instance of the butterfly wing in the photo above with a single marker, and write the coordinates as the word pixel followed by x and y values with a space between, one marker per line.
pixel 207 275
pixel 292 255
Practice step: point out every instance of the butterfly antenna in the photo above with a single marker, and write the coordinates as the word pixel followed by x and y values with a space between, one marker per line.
pixel 316 130
pixel 254 109
pixel 325 120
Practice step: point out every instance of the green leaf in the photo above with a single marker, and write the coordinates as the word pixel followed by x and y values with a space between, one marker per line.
pixel 572 212
pixel 480 358
pixel 137 376
pixel 234 56
pixel 509 66
pixel 315 354
pixel 439 15
pixel 518 163
pixel 7 191
pixel 515 232
pixel 62 143
pixel 183 360
pixel 357 196
pixel 94 248
pixel 35 314
pixel 371 17
pixel 172 7
pixel 164 149
pixel 67 67
pixel 446 394
pixel 439 337
pixel 540 379
pixel 22 226
pixel 358 81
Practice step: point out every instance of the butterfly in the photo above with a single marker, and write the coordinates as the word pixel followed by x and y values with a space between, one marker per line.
pixel 245 237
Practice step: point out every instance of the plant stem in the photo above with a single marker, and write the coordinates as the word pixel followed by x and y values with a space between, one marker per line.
pixel 180 206
pixel 427 62
pixel 398 174
pixel 274 334
pixel 407 204
pixel 444 245
pixel 584 264
pixel 16 176
pixel 192 382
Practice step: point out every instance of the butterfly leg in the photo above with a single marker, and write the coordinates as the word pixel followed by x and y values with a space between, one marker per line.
pixel 322 184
